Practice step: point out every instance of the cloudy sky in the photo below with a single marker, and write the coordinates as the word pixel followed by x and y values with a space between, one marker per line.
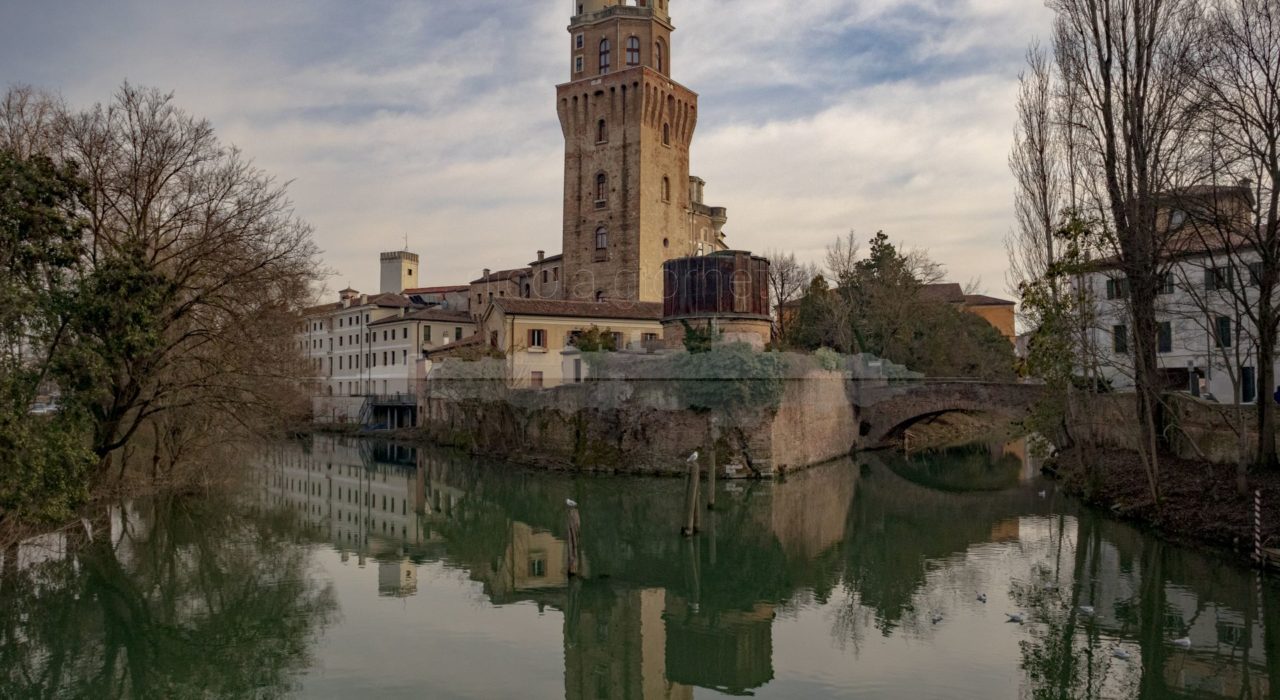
pixel 436 119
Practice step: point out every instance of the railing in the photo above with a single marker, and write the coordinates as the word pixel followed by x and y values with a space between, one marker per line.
pixel 392 399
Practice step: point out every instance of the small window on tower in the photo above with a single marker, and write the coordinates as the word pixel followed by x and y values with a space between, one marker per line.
pixel 604 56
pixel 410 271
pixel 633 51
pixel 577 65
pixel 602 132
pixel 579 40
pixel 666 189
pixel 602 188
pixel 666 134
pixel 660 56
pixel 602 238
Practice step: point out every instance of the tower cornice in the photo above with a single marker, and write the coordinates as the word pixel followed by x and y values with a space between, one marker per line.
pixel 630 74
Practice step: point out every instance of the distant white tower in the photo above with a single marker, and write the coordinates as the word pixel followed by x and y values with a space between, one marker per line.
pixel 399 271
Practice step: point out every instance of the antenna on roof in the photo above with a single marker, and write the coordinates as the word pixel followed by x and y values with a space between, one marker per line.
pixel 406 242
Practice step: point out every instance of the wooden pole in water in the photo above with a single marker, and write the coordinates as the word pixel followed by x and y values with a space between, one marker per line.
pixel 691 501
pixel 574 527
pixel 711 464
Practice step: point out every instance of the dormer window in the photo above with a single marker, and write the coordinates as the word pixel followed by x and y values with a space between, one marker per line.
pixel 604 56
pixel 633 51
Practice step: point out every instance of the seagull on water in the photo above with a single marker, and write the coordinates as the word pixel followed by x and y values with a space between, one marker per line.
pixel 1015 617
pixel 693 457
pixel 982 597
pixel 1120 653
pixel 936 618
pixel 1086 609
pixel 1185 642
pixel 571 503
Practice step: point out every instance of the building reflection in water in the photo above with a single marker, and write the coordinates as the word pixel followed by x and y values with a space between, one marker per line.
pixel 655 616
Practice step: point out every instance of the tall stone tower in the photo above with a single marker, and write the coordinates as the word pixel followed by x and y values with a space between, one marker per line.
pixel 399 272
pixel 629 203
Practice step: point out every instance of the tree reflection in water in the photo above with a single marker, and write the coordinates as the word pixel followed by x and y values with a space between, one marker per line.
pixel 171 598
pixel 845 563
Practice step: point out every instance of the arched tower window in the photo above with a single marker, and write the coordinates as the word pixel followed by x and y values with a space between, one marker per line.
pixel 602 238
pixel 666 189
pixel 602 187
pixel 602 131
pixel 666 134
pixel 633 51
pixel 660 56
pixel 604 56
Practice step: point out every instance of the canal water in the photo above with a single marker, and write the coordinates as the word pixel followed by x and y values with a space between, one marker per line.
pixel 356 569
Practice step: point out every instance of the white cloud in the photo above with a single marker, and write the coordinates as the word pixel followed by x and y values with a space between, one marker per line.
pixel 436 118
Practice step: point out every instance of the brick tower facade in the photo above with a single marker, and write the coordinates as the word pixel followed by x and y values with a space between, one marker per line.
pixel 629 202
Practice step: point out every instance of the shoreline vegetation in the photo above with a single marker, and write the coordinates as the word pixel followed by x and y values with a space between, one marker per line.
pixel 154 277
pixel 1200 503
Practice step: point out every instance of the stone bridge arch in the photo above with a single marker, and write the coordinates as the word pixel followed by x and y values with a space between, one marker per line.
pixel 886 409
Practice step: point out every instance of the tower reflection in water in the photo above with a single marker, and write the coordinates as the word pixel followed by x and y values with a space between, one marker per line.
pixel 876 545
pixel 652 616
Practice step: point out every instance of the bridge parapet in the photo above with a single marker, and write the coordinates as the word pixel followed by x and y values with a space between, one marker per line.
pixel 887 408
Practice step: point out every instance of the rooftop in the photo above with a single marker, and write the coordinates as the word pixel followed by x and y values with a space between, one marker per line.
pixel 947 292
pixel 503 275
pixel 426 315
pixel 621 310
pixel 439 290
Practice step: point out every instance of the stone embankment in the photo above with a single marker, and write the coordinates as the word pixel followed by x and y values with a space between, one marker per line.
pixel 641 427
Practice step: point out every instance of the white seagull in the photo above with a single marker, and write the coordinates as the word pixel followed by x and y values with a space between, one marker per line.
pixel 1086 609
pixel 693 457
pixel 1015 617
pixel 1185 642
pixel 571 503
pixel 1120 653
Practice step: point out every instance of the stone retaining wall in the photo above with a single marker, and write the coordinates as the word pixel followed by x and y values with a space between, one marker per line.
pixel 638 427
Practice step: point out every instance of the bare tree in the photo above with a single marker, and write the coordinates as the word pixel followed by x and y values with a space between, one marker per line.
pixel 788 278
pixel 1038 164
pixel 1240 133
pixel 1130 66
pixel 196 265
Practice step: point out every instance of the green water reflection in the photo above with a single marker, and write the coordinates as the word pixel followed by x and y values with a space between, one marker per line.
pixel 352 567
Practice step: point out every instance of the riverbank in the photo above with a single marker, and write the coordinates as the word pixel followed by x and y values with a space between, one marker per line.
pixel 1200 502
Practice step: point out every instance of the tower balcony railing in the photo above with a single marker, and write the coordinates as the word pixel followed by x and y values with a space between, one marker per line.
pixel 613 11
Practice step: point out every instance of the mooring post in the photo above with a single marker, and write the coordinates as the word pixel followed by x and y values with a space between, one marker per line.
pixel 1258 554
pixel 574 528
pixel 691 500
pixel 711 464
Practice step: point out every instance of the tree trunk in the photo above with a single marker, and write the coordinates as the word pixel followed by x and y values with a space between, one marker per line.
pixel 1266 457
pixel 1146 375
